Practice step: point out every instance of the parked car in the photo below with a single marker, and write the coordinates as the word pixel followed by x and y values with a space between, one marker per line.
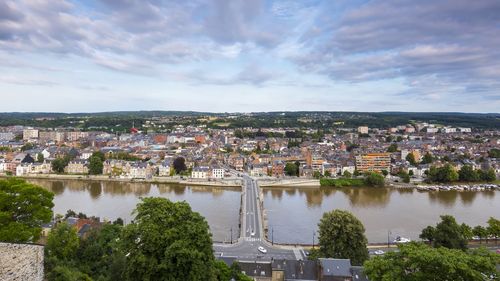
pixel 262 249
pixel 401 240
pixel 379 252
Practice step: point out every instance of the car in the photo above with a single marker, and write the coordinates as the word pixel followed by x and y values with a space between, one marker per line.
pixel 401 240
pixel 252 233
pixel 262 249
pixel 379 252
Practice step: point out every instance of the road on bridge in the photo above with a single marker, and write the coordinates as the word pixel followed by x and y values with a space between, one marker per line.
pixel 252 234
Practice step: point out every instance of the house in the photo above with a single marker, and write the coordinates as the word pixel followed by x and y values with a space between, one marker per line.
pixel 200 172
pixel 164 168
pixel 258 170
pixel 258 270
pixel 335 270
pixel 288 270
pixel 77 166
pixel 140 170
pixel 217 172
pixel 278 169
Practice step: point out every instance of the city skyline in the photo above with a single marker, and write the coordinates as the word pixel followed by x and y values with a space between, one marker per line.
pixel 250 56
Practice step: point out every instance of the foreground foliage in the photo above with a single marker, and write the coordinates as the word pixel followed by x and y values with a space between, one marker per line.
pixel 342 235
pixel 24 207
pixel 419 262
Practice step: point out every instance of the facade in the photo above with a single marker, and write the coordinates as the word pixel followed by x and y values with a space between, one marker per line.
pixel 363 129
pixel 200 173
pixel 217 173
pixel 77 167
pixel 29 134
pixel 373 162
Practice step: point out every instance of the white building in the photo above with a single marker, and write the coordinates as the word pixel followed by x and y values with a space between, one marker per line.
pixel 200 173
pixel 217 173
pixel 30 134
pixel 363 129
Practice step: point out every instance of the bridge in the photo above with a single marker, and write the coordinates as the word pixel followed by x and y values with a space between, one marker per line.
pixel 252 234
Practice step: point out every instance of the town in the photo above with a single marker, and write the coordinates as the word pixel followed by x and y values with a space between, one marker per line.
pixel 404 153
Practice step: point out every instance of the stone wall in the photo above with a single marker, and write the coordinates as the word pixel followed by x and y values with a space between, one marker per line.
pixel 21 262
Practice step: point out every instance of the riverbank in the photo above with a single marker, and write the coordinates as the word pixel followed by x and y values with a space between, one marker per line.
pixel 153 180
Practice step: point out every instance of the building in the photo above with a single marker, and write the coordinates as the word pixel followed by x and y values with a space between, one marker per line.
pixel 217 172
pixel 76 135
pixel 363 129
pixel 52 136
pixel 200 172
pixel 373 162
pixel 29 134
pixel 79 166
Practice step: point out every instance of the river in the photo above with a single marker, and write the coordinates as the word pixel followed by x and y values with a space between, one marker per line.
pixel 110 200
pixel 294 213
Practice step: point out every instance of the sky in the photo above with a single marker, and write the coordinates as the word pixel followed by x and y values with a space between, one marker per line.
pixel 249 55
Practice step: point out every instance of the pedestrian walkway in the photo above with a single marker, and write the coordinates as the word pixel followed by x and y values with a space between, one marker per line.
pixel 251 239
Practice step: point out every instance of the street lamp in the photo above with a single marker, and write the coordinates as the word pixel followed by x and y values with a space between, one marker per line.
pixel 272 236
pixel 388 238
pixel 314 234
pixel 231 235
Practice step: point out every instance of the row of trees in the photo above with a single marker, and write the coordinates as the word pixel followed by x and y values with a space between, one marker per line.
pixel 341 235
pixel 370 179
pixel 447 174
pixel 448 233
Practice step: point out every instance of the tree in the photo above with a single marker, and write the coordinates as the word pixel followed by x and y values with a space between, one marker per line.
pixel 99 154
pixel 290 169
pixel 98 254
pixel 404 176
pixel 59 164
pixel 347 174
pixel 95 165
pixel 342 235
pixel 488 175
pixel 449 234
pixel 443 174
pixel 328 174
pixel 494 153
pixel 167 241
pixel 297 165
pixel 179 165
pixel 427 159
pixel 480 232
pixel 24 207
pixel 374 179
pixel 65 273
pixel 466 231
pixel 494 228
pixel 466 173
pixel 27 146
pixel 428 233
pixel 418 262
pixel 392 148
pixel 39 158
pixel 410 173
pixel 62 245
pixel 411 158
pixel 385 173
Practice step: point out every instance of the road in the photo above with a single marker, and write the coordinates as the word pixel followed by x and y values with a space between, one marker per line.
pixel 252 233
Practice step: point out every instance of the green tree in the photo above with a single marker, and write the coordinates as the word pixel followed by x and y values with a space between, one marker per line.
pixel 488 175
pixel 167 241
pixel 385 173
pixel 59 164
pixel 179 165
pixel 342 235
pixel 290 169
pixel 99 154
pixel 39 158
pixel 427 159
pixel 480 232
pixel 443 174
pixel 347 174
pixel 24 207
pixel 428 233
pixel 98 254
pixel 411 158
pixel 466 173
pixel 449 234
pixel 62 246
pixel 374 179
pixel 494 153
pixel 466 231
pixel 418 262
pixel 297 165
pixel 27 146
pixel 66 273
pixel 95 165
pixel 494 228
pixel 392 148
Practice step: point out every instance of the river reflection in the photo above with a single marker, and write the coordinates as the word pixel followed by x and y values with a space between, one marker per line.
pixel 294 213
pixel 110 200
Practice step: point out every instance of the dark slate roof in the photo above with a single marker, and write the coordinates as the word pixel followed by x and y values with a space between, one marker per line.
pixel 256 268
pixel 335 267
pixel 297 270
pixel 358 274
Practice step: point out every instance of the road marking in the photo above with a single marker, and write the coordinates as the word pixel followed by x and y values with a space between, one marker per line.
pixel 298 255
pixel 250 239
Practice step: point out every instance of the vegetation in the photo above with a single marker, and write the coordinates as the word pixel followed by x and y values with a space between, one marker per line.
pixel 341 182
pixel 427 158
pixel 59 164
pixel 418 262
pixel 392 148
pixel 494 153
pixel 447 233
pixel 24 207
pixel 291 169
pixel 179 165
pixel 411 159
pixel 448 174
pixel 123 156
pixel 342 235
pixel 374 179
pixel 95 165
